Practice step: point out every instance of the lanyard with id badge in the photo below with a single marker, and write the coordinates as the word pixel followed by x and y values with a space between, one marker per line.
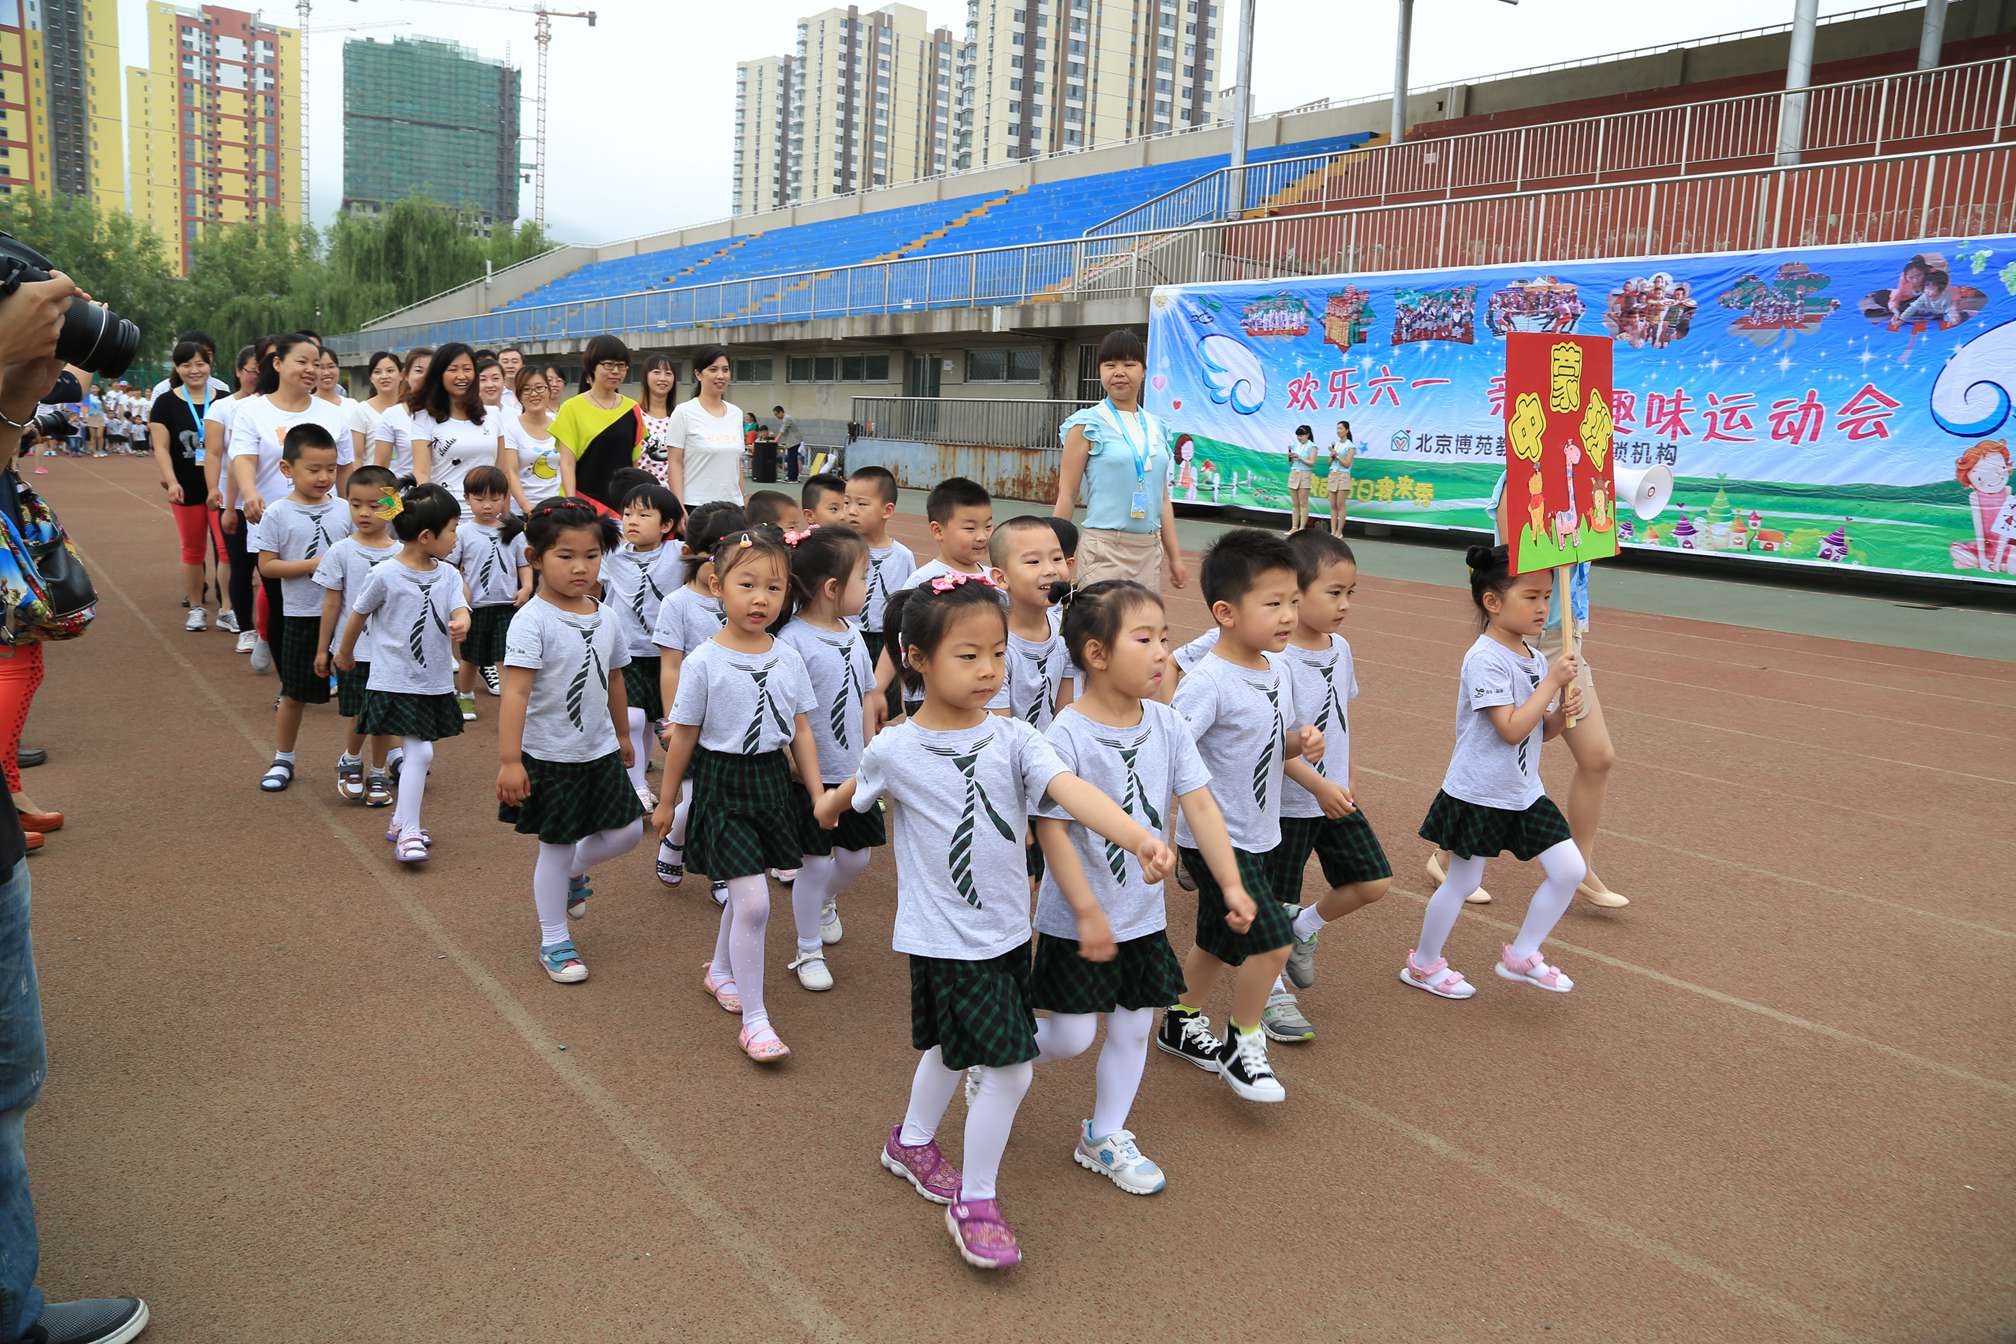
pixel 1144 453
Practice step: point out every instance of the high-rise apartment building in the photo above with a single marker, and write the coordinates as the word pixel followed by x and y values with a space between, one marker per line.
pixel 1038 76
pixel 427 117
pixel 59 100
pixel 865 101
pixel 215 123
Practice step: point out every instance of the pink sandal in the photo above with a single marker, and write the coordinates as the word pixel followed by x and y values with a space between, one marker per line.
pixel 412 848
pixel 1450 986
pixel 1533 971
pixel 763 1052
pixel 730 1001
pixel 984 1239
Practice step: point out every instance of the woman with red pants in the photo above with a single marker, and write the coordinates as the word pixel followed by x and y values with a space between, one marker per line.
pixel 20 675
pixel 175 427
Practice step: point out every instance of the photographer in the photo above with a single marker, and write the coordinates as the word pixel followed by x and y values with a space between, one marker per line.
pixel 32 317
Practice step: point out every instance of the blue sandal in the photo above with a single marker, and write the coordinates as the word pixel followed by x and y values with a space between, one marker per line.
pixel 277 777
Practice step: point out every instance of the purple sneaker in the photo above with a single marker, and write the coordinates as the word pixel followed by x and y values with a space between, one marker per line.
pixel 924 1167
pixel 984 1239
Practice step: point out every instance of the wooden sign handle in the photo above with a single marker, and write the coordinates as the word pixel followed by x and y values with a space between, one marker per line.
pixel 1567 610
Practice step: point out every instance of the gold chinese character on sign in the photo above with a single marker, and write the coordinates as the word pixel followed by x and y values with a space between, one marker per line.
pixel 1527 427
pixel 1596 430
pixel 1564 378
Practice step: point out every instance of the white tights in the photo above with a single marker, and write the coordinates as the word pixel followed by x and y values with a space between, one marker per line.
pixel 1564 869
pixel 559 864
pixel 738 948
pixel 1121 1059
pixel 640 748
pixel 821 878
pixel 412 783
pixel 988 1120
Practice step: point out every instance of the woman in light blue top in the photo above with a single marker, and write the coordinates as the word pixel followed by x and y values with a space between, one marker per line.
pixel 1120 453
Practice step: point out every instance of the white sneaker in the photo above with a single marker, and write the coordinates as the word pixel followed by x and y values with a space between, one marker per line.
pixel 1117 1159
pixel 829 923
pixel 646 797
pixel 227 620
pixel 974 1073
pixel 785 875
pixel 812 971
pixel 262 657
pixel 195 620
pixel 246 641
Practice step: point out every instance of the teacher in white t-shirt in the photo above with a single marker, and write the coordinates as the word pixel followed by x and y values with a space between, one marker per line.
pixel 453 431
pixel 703 455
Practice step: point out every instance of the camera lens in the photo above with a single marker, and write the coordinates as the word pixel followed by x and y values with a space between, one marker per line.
pixel 97 339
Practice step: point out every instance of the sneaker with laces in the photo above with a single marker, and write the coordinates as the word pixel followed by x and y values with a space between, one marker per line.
pixel 563 964
pixel 491 683
pixel 194 621
pixel 247 641
pixel 671 865
pixel 829 923
pixel 227 620
pixel 349 778
pixel 1188 1037
pixel 813 972
pixel 1117 1159
pixel 467 704
pixel 647 799
pixel 1242 1063
pixel 100 1320
pixel 1282 1019
pixel 1302 955
pixel 975 1075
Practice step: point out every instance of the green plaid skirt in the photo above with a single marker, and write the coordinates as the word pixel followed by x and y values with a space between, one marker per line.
pixel 1345 846
pixel 740 821
pixel 857 830
pixel 640 687
pixel 350 688
pixel 893 700
pixel 1145 974
pixel 1270 929
pixel 975 1012
pixel 1469 830
pixel 571 800
pixel 484 644
pixel 398 714
pixel 300 641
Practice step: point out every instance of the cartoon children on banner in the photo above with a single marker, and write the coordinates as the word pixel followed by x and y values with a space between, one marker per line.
pixel 1560 499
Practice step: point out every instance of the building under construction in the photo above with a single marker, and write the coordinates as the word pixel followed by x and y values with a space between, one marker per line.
pixel 431 118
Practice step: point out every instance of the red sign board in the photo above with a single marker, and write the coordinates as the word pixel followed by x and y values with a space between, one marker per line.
pixel 1560 502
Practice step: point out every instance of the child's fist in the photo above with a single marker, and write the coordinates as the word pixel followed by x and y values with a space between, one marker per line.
pixel 1239 909
pixel 1156 860
pixel 1311 743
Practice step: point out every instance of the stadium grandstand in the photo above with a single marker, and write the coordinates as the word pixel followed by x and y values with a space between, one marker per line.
pixel 995 286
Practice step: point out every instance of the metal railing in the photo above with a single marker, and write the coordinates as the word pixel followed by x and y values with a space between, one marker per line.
pixel 993 423
pixel 1968 191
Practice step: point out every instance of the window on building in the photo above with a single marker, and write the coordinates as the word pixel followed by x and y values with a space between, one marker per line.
pixel 753 370
pixel 1004 366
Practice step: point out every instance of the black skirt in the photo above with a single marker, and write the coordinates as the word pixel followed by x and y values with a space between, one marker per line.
pixel 398 714
pixel 857 830
pixel 1145 974
pixel 484 644
pixel 975 1012
pixel 571 800
pixel 1472 830
pixel 739 825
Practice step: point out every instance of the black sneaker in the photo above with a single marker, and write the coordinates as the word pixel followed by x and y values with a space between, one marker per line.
pixel 1242 1063
pixel 1188 1037
pixel 98 1320
pixel 490 682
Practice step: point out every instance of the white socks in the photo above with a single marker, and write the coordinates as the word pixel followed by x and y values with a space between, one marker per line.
pixel 1121 1059
pixel 1565 870
pixel 1307 924
pixel 418 756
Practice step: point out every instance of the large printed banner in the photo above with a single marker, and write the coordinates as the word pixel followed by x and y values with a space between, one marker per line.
pixel 1843 405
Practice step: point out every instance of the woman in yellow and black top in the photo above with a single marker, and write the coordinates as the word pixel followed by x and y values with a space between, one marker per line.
pixel 600 427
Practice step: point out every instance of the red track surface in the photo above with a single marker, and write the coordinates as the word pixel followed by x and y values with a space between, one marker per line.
pixel 297 1093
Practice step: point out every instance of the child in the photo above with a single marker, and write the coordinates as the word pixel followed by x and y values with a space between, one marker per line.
pixel 411 690
pixel 635 580
pixel 686 620
pixel 1117 738
pixel 490 556
pixel 1067 542
pixel 829 575
pixel 823 500
pixel 341 577
pixel 560 774
pixel 1509 702
pixel 1240 703
pixel 965 922
pixel 961 515
pixel 1319 800
pixel 1031 568
pixel 871 503
pixel 290 541
pixel 743 698
pixel 771 508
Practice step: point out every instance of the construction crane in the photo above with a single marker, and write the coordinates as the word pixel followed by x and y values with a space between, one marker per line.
pixel 542 33
pixel 301 10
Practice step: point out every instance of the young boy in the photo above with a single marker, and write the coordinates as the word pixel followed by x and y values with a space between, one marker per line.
pixel 772 508
pixel 1240 702
pixel 1038 678
pixel 340 576
pixel 871 503
pixel 823 500
pixel 290 541
pixel 636 580
pixel 1319 802
pixel 1067 541
pixel 961 515
pixel 496 578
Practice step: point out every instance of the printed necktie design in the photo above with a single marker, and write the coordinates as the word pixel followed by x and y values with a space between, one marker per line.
pixel 416 638
pixel 1323 715
pixel 1134 793
pixel 976 800
pixel 765 707
pixel 646 580
pixel 1043 699
pixel 850 688
pixel 1529 737
pixel 1261 771
pixel 319 539
pixel 591 661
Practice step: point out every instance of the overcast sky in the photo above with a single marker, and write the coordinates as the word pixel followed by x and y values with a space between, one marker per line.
pixel 643 116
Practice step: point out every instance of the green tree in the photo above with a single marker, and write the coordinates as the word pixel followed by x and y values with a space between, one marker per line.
pixel 118 260
pixel 251 280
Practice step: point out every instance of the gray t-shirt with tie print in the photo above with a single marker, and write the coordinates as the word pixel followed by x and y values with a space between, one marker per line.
pixel 1486 769
pixel 488 564
pixel 291 530
pixel 637 583
pixel 411 653
pixel 343 570
pixel 573 655
pixel 837 662
pixel 1240 716
pixel 1325 684
pixel 889 570
pixel 686 620
pixel 744 703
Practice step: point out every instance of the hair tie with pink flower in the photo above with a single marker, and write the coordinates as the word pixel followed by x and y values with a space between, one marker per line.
pixel 792 539
pixel 945 583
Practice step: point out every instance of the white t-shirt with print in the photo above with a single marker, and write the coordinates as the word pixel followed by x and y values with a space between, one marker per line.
pixel 889 571
pixel 744 704
pixel 456 448
pixel 1486 769
pixel 837 662
pixel 1241 717
pixel 713 452
pixel 259 431
pixel 292 530
pixel 1326 682
pixel 538 461
pixel 409 610
pixel 1034 673
pixel 572 656
pixel 343 570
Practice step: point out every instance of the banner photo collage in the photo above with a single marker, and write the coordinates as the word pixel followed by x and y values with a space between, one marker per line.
pixel 1825 406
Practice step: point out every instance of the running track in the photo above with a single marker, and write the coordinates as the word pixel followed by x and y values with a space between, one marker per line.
pixel 297 1093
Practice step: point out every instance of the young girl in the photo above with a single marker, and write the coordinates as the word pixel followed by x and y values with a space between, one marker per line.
pixel 829 573
pixel 420 616
pixel 1509 702
pixel 1119 739
pixel 561 759
pixel 743 698
pixel 1301 475
pixel 489 554
pixel 686 620
pixel 658 397
pixel 960 782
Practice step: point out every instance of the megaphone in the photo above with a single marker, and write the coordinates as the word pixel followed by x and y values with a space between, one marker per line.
pixel 1646 493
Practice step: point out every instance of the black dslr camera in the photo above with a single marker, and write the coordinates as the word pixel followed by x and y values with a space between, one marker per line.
pixel 94 339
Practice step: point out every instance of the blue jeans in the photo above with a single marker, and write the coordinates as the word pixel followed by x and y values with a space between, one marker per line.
pixel 23 1063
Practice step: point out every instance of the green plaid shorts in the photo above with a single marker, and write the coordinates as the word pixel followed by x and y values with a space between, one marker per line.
pixel 484 644
pixel 397 714
pixel 300 641
pixel 975 1012
pixel 640 687
pixel 740 821
pixel 571 800
pixel 1469 830
pixel 1345 846
pixel 350 688
pixel 1145 974
pixel 857 830
pixel 1270 929
pixel 894 698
